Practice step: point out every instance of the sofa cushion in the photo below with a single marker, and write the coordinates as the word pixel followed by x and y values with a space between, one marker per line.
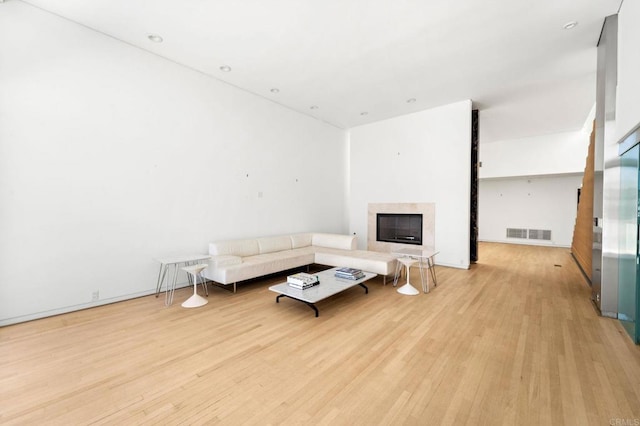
pixel 337 241
pixel 259 265
pixel 240 248
pixel 224 260
pixel 370 261
pixel 301 240
pixel 272 244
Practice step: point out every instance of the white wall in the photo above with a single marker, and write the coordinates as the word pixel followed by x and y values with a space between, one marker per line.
pixel 110 156
pixel 532 203
pixel 532 183
pixel 420 157
pixel 628 92
pixel 538 155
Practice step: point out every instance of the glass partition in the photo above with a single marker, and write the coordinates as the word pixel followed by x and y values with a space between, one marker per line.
pixel 628 243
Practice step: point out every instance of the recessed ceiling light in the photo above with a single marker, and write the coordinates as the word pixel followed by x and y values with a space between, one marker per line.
pixel 155 38
pixel 225 68
pixel 410 101
pixel 570 25
pixel 275 90
pixel 364 113
pixel 314 107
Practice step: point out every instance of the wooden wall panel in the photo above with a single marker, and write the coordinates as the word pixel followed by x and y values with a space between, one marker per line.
pixel 582 244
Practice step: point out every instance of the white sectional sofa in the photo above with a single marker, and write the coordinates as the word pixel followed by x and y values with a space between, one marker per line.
pixel 238 260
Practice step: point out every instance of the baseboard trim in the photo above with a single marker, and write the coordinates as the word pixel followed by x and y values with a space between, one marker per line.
pixel 73 308
pixel 453 265
pixel 527 242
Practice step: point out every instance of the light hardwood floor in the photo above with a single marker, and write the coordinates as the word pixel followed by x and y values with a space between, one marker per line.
pixel 514 340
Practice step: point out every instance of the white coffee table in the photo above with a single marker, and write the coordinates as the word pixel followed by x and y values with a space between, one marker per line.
pixel 329 285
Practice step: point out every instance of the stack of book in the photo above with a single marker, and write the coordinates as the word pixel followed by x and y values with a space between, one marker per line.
pixel 349 273
pixel 302 280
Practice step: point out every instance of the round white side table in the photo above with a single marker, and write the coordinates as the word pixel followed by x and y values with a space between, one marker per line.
pixel 408 289
pixel 195 301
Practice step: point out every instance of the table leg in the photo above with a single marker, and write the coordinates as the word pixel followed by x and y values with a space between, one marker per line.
pixel 161 274
pixel 408 272
pixel 425 285
pixel 169 293
pixel 398 273
pixel 366 289
pixel 311 305
pixel 432 268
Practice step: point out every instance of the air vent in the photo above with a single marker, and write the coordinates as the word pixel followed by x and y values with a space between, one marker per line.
pixel 516 233
pixel 540 234
pixel 531 234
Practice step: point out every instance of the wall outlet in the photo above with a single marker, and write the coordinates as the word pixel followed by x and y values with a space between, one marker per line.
pixel 95 296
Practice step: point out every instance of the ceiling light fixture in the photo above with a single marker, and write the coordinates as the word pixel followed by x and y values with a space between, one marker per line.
pixel 570 25
pixel 275 90
pixel 155 38
pixel 225 68
pixel 314 107
pixel 410 101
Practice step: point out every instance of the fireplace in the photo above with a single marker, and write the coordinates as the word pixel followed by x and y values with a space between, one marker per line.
pixel 405 228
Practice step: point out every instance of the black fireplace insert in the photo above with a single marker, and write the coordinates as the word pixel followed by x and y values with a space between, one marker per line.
pixel 405 228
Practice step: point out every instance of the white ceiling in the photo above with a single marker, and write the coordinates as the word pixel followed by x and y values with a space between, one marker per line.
pixel 526 74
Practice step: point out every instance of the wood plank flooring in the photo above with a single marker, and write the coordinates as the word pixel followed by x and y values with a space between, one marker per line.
pixel 513 340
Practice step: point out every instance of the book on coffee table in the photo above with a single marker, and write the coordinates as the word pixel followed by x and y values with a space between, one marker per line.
pixel 349 273
pixel 302 280
pixel 303 286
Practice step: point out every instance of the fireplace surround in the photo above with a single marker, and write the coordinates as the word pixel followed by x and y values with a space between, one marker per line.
pixel 427 210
